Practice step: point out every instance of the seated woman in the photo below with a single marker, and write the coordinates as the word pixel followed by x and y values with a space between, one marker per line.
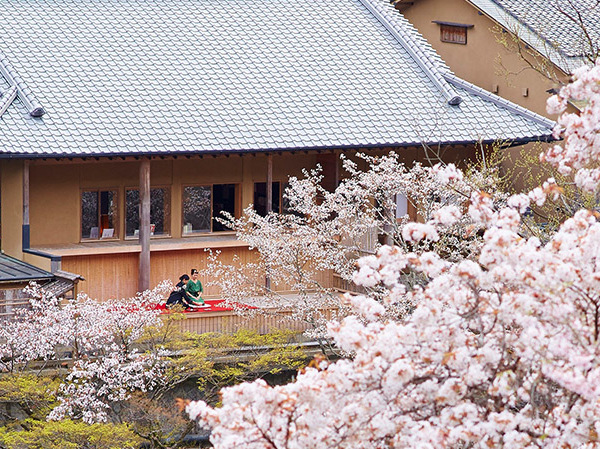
pixel 179 296
pixel 193 289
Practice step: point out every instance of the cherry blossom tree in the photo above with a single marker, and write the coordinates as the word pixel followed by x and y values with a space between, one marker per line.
pixel 323 233
pixel 99 338
pixel 500 350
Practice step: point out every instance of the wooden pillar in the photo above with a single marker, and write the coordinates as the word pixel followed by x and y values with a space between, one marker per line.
pixel 269 183
pixel 269 204
pixel 144 265
pixel 26 239
pixel 336 162
pixel 390 216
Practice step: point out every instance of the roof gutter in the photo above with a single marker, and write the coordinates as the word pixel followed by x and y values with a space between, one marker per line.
pixel 25 95
pixel 415 52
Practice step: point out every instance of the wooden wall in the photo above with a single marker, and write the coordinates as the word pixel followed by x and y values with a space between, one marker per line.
pixel 107 275
pixel 11 219
pixel 55 209
pixel 56 186
pixel 115 275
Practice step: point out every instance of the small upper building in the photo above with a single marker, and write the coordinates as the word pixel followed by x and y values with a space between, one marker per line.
pixel 15 275
pixel 520 49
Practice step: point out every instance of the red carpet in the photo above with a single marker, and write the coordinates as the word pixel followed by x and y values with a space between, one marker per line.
pixel 215 306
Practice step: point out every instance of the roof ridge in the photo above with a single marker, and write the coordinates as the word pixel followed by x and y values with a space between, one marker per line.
pixel 6 98
pixel 529 27
pixel 25 94
pixel 513 107
pixel 395 28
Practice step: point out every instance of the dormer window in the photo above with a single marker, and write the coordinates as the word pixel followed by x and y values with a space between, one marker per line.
pixel 453 33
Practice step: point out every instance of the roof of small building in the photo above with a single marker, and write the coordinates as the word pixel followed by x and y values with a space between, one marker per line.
pixel 14 270
pixel 141 77
pixel 565 31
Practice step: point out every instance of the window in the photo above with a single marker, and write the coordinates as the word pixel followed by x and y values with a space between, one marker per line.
pixel 279 198
pixel 454 33
pixel 99 214
pixel 203 204
pixel 260 197
pixel 401 205
pixel 223 200
pixel 160 212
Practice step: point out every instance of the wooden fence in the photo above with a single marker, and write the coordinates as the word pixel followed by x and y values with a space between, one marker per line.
pixel 230 322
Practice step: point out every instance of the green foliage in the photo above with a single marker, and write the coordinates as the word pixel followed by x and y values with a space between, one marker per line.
pixel 488 169
pixel 33 395
pixel 68 434
pixel 218 360
pixel 247 355
pixel 210 361
pixel 545 220
pixel 158 421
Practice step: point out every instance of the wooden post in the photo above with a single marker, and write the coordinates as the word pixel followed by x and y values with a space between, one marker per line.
pixel 25 231
pixel 144 265
pixel 388 227
pixel 269 204
pixel 336 161
pixel 269 183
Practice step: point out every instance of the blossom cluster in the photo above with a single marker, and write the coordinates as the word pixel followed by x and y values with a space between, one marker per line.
pixel 581 150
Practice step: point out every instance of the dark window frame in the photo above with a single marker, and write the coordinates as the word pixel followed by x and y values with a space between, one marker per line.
pixel 116 222
pixel 283 202
pixel 278 197
pixel 169 190
pixel 236 207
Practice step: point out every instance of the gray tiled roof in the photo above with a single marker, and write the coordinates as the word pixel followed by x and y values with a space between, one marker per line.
pixel 13 270
pixel 162 76
pixel 558 29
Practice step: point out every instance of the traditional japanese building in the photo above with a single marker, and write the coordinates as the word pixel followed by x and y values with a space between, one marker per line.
pixel 190 107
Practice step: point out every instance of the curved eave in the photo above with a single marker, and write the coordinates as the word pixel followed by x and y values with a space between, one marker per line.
pixel 508 143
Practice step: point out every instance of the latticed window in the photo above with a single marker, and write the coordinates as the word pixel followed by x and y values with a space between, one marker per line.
pixel 454 33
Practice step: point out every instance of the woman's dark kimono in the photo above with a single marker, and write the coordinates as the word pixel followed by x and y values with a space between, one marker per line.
pixel 178 296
